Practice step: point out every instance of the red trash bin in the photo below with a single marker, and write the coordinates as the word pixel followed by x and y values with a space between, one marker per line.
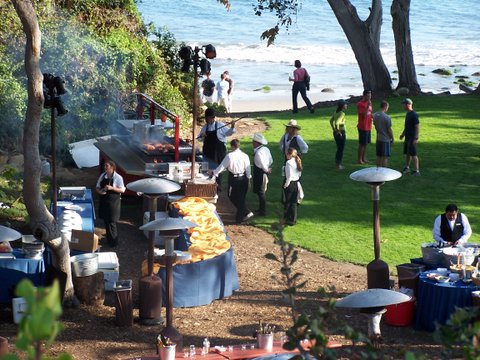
pixel 400 314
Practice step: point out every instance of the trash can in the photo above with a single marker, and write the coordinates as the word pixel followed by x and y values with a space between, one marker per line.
pixel 408 275
pixel 123 302
pixel 400 314
pixel 409 270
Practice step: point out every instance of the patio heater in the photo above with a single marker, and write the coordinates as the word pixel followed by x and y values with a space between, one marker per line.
pixel 170 229
pixel 372 303
pixel 8 234
pixel 377 270
pixel 150 286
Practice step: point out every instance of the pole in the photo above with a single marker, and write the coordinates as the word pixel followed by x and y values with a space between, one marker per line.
pixel 376 220
pixel 54 165
pixel 195 109
pixel 152 202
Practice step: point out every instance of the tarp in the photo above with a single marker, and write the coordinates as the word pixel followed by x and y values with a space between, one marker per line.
pixel 85 153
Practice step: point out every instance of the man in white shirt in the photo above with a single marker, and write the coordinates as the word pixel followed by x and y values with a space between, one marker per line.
pixel 291 139
pixel 238 165
pixel 262 163
pixel 451 228
pixel 222 92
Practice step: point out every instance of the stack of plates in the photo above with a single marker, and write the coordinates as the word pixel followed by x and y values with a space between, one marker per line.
pixel 70 220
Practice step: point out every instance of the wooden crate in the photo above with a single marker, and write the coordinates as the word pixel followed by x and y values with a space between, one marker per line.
pixel 204 190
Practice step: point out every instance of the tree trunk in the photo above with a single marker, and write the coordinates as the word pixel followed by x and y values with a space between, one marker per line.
pixel 42 222
pixel 407 75
pixel 364 38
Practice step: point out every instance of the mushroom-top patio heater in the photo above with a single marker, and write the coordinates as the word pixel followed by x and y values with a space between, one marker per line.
pixel 372 303
pixel 377 270
pixel 150 286
pixel 8 234
pixel 170 229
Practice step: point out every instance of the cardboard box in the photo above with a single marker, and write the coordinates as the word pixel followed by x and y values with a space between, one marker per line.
pixel 83 241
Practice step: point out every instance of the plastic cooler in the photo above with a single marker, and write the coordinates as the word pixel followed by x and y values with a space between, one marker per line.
pixel 400 314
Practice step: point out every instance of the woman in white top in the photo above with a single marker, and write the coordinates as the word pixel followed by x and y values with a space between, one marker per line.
pixel 293 172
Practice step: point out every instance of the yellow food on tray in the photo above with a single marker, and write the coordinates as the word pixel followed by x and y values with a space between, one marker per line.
pixel 208 238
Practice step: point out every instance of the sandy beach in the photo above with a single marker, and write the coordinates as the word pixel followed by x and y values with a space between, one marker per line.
pixel 258 101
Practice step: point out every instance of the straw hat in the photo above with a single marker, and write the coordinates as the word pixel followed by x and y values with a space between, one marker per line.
pixel 259 138
pixel 293 123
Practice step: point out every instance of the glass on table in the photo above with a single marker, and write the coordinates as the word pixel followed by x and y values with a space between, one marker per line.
pixel 281 336
pixel 230 347
pixel 192 351
pixel 244 346
pixel 186 352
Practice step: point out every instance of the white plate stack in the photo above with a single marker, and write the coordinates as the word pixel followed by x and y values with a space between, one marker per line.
pixel 70 220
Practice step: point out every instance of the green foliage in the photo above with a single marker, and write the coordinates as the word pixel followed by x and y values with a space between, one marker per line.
pixel 11 184
pixel 39 326
pixel 462 331
pixel 100 49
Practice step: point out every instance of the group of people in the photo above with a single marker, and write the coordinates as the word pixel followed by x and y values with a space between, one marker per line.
pixel 383 126
pixel 237 164
pixel 223 90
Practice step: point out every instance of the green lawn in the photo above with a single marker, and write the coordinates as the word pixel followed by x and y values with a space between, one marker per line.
pixel 335 219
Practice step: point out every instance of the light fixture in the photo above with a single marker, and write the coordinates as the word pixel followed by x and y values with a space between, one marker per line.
pixel 209 51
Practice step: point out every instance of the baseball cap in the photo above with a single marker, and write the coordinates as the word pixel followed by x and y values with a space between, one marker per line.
pixel 407 101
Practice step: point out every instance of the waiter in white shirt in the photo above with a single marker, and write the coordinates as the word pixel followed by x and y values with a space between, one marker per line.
pixel 262 163
pixel 451 228
pixel 238 165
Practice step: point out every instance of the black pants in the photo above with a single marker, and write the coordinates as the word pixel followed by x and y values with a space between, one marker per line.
pixel 112 234
pixel 237 193
pixel 340 141
pixel 290 203
pixel 300 87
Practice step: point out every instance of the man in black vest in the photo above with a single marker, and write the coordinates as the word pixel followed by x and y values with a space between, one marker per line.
pixel 451 228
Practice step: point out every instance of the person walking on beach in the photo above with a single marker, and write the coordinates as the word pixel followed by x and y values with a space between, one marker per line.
pixel 383 125
pixel 208 89
pixel 230 90
pixel 291 139
pixel 410 132
pixel 238 165
pixel 262 167
pixel 337 122
pixel 291 186
pixel 300 76
pixel 222 92
pixel 364 126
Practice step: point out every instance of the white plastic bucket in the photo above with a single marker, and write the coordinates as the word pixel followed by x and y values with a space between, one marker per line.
pixel 19 306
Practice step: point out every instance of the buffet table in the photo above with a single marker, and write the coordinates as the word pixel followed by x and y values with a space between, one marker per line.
pixel 437 301
pixel 83 206
pixel 14 270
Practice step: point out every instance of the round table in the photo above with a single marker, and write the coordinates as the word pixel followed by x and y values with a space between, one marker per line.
pixel 437 301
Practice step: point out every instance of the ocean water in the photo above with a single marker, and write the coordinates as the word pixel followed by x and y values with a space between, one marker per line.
pixel 445 34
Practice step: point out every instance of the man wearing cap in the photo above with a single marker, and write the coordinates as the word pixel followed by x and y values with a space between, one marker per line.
pixel 291 139
pixel 410 133
pixel 238 165
pixel 451 228
pixel 262 163
pixel 214 134
pixel 383 125
pixel 364 126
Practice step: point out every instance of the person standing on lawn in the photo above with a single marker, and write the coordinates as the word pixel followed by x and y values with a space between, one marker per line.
pixel 364 126
pixel 262 167
pixel 410 132
pixel 291 139
pixel 292 191
pixel 383 125
pixel 238 165
pixel 337 122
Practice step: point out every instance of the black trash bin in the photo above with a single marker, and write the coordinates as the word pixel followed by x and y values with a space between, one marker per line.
pixel 408 275
pixel 123 302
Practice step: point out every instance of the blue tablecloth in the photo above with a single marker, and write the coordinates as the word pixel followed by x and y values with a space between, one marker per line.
pixel 87 214
pixel 14 270
pixel 199 283
pixel 437 301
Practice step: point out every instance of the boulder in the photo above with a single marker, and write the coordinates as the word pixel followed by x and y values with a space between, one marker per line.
pixel 442 71
pixel 328 90
pixel 403 91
